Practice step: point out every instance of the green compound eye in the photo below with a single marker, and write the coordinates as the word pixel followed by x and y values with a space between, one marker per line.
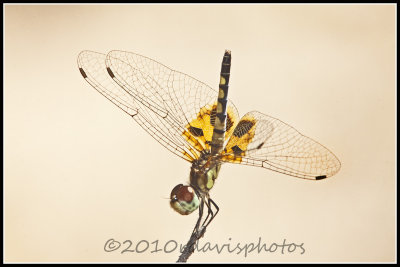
pixel 184 199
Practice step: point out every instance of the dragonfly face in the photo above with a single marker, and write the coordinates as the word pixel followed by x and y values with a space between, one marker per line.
pixel 184 199
pixel 201 125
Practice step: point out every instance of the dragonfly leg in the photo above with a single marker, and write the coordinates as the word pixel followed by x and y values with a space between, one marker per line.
pixel 210 201
pixel 196 228
pixel 209 212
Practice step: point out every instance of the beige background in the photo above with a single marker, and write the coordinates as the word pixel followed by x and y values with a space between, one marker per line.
pixel 78 171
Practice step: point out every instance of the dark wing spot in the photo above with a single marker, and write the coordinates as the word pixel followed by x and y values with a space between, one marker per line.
pixel 243 128
pixel 260 145
pixel 196 131
pixel 237 150
pixel 83 73
pixel 110 72
pixel 320 177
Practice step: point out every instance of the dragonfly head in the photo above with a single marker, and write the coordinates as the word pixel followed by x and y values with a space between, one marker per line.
pixel 184 199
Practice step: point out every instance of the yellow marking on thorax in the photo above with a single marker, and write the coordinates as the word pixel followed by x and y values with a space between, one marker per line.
pixel 210 183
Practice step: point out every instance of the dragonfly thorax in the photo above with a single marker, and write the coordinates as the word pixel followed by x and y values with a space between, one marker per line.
pixel 186 198
pixel 203 173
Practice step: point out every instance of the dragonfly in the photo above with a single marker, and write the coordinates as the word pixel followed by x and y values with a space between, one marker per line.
pixel 202 125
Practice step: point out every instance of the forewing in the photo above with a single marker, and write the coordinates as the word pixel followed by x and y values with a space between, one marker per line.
pixel 93 69
pixel 184 102
pixel 264 141
pixel 164 102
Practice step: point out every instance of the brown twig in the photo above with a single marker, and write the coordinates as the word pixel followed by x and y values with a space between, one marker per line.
pixel 190 246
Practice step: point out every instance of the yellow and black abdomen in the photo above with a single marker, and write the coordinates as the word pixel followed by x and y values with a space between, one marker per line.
pixel 218 137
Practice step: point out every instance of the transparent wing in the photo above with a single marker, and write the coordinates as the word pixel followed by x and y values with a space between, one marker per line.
pixel 163 101
pixel 264 141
